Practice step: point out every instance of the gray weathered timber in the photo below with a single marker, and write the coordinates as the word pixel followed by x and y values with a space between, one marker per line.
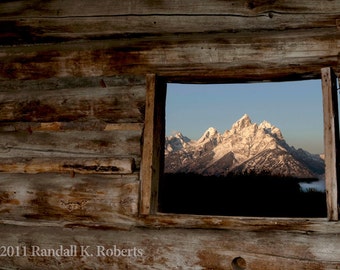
pixel 26 23
pixel 153 140
pixel 69 198
pixel 57 8
pixel 45 143
pixel 331 140
pixel 255 224
pixel 99 165
pixel 241 57
pixel 89 124
pixel 73 93
pixel 106 103
pixel 175 248
pixel 50 30
pixel 58 84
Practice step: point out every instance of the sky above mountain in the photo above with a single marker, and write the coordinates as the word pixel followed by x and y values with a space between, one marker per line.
pixel 294 107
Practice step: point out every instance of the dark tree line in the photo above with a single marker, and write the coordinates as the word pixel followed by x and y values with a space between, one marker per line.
pixel 239 195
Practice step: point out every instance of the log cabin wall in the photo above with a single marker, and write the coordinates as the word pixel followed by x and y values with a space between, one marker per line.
pixel 72 104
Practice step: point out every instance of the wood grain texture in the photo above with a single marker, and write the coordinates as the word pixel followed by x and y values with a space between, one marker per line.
pixel 101 165
pixel 153 144
pixel 57 8
pixel 331 141
pixel 24 22
pixel 52 30
pixel 115 143
pixel 240 57
pixel 255 224
pixel 69 198
pixel 176 248
pixel 107 103
pixel 73 91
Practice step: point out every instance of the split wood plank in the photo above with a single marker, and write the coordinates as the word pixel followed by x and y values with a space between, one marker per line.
pixel 101 165
pixel 331 141
pixel 52 30
pixel 115 143
pixel 191 249
pixel 256 224
pixel 232 58
pixel 107 104
pixel 57 8
pixel 83 125
pixel 73 84
pixel 73 199
pixel 153 144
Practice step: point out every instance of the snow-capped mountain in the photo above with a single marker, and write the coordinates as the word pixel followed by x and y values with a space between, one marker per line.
pixel 246 148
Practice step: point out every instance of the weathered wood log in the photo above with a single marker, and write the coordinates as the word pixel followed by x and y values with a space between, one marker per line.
pixel 57 8
pixel 102 165
pixel 115 143
pixel 301 225
pixel 70 83
pixel 51 30
pixel 241 57
pixel 174 248
pixel 69 198
pixel 82 125
pixel 153 140
pixel 331 141
pixel 105 103
pixel 64 109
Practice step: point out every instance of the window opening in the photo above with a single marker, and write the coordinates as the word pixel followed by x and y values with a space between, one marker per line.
pixel 251 149
pixel 152 164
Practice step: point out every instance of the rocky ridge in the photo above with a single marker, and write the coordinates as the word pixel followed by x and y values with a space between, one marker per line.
pixel 246 148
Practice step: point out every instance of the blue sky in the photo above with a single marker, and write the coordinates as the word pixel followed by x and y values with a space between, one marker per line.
pixel 294 107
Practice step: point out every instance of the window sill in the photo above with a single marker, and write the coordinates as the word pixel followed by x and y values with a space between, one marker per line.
pixel 305 225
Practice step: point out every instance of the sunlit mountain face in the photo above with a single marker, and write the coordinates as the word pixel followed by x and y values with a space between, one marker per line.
pixel 249 170
pixel 246 148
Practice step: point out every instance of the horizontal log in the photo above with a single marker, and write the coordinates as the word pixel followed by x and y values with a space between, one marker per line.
pixel 124 126
pixel 89 125
pixel 107 103
pixel 51 30
pixel 285 55
pixel 171 248
pixel 57 8
pixel 255 224
pixel 68 83
pixel 69 198
pixel 102 165
pixel 115 143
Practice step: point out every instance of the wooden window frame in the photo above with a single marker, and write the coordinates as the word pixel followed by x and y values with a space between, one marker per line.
pixel 331 141
pixel 152 164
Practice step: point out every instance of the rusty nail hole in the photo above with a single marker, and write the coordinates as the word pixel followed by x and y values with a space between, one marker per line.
pixel 239 263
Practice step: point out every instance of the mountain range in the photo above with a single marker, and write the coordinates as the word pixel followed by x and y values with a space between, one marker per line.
pixel 246 148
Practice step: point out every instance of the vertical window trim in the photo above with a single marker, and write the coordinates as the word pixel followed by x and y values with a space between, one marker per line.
pixel 152 164
pixel 331 141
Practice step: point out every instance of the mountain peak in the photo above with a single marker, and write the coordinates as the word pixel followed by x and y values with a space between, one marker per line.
pixel 243 122
pixel 247 147
pixel 271 129
pixel 175 142
pixel 208 134
pixel 177 135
